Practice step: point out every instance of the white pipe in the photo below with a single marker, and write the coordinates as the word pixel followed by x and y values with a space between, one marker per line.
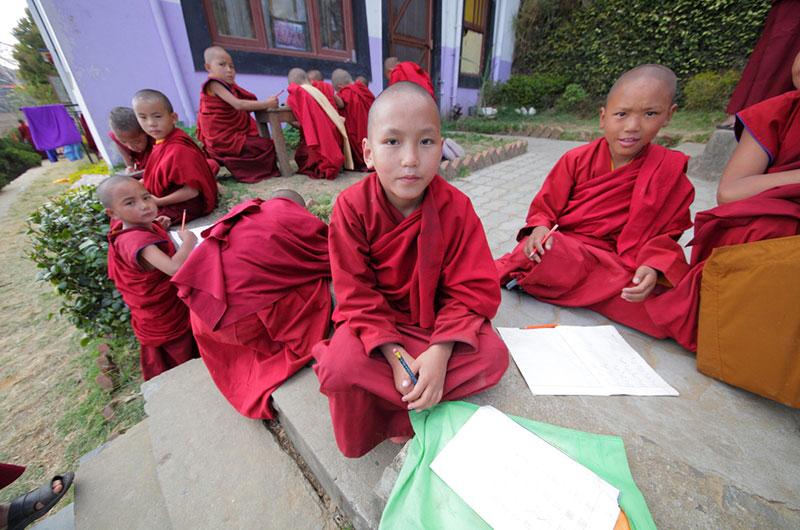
pixel 499 36
pixel 172 61
pixel 456 52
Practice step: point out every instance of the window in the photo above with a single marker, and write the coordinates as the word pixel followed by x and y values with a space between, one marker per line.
pixel 286 27
pixel 476 14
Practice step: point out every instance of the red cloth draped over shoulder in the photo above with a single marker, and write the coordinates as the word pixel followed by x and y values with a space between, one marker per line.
pixel 319 154
pixel 420 280
pixel 408 71
pixel 327 89
pixel 357 101
pixel 610 223
pixel 9 473
pixel 768 70
pixel 138 157
pixel 257 288
pixel 176 162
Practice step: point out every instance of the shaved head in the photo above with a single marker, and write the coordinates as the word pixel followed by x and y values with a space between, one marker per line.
pixel 390 63
pixel 340 78
pixel 650 73
pixel 149 94
pixel 291 195
pixel 106 191
pixel 123 119
pixel 315 75
pixel 213 51
pixel 417 98
pixel 298 76
pixel 361 79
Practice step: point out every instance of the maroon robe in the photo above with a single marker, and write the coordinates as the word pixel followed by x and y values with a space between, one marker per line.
pixel 357 101
pixel 319 154
pixel 408 71
pixel 230 136
pixel 139 158
pixel 610 223
pixel 327 89
pixel 159 319
pixel 775 125
pixel 9 473
pixel 176 161
pixel 258 291
pixel 416 281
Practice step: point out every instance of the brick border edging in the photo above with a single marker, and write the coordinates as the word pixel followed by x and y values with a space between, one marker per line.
pixel 450 169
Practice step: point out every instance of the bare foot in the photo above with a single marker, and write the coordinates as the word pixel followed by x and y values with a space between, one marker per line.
pixel 399 439
pixel 729 122
pixel 57 487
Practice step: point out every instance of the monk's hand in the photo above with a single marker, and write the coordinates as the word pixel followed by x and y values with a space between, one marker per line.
pixel 164 221
pixel 533 246
pixel 644 280
pixel 431 369
pixel 187 237
pixel 402 382
pixel 271 102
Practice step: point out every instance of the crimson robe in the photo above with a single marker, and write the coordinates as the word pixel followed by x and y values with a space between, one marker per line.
pixel 176 161
pixel 258 291
pixel 9 473
pixel 610 223
pixel 768 72
pixel 327 89
pixel 420 280
pixel 408 71
pixel 319 153
pixel 775 124
pixel 230 136
pixel 357 101
pixel 138 157
pixel 159 319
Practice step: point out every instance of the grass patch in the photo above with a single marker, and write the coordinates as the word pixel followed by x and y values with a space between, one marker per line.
pixel 321 205
pixel 86 168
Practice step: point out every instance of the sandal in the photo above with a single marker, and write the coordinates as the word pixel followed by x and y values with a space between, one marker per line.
pixel 23 512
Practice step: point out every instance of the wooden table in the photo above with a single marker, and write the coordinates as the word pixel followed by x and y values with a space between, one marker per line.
pixel 272 119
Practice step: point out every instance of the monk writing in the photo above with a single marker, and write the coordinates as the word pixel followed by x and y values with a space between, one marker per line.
pixel 177 174
pixel 620 203
pixel 259 299
pixel 324 147
pixel 412 275
pixel 396 71
pixel 141 258
pixel 224 125
pixel 357 101
pixel 315 76
pixel 133 144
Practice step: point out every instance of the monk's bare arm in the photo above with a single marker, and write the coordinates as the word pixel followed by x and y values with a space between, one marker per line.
pixel 183 194
pixel 242 104
pixel 745 176
pixel 339 101
pixel 153 256
pixel 125 157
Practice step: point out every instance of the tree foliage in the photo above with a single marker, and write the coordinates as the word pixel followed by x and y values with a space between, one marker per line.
pixel 33 69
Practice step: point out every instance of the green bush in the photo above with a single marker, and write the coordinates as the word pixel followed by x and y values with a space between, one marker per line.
pixel 574 99
pixel 292 136
pixel 15 159
pixel 68 236
pixel 536 90
pixel 710 90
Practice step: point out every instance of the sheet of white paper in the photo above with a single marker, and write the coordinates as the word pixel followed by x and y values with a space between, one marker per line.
pixel 515 480
pixel 173 234
pixel 577 360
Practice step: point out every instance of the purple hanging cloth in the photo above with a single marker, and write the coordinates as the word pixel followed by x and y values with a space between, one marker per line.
pixel 51 126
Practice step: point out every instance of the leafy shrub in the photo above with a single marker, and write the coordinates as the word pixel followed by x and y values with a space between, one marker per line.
pixel 15 159
pixel 292 136
pixel 68 235
pixel 710 90
pixel 574 99
pixel 321 206
pixel 537 90
pixel 490 92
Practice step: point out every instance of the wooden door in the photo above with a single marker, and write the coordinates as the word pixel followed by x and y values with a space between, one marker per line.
pixel 411 31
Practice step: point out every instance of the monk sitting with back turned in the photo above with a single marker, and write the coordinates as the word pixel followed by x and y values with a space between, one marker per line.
pixel 318 82
pixel 396 71
pixel 177 173
pixel 133 144
pixel 620 203
pixel 258 294
pixel 141 258
pixel 357 101
pixel 224 125
pixel 412 276
pixel 323 147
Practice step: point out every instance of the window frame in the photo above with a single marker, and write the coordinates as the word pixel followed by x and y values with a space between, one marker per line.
pixel 475 80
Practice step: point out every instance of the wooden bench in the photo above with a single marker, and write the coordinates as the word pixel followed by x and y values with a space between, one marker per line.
pixel 272 119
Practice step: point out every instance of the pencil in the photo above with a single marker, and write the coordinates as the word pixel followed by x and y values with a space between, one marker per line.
pixel 183 222
pixel 548 234
pixel 281 92
pixel 405 366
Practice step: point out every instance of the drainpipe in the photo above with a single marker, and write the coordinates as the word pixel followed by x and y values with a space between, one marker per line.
pixel 456 51
pixel 172 61
pixel 499 37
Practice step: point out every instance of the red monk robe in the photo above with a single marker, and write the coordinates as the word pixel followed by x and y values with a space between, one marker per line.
pixel 9 473
pixel 319 154
pixel 775 124
pixel 175 162
pixel 357 101
pixel 230 136
pixel 139 158
pixel 258 291
pixel 327 89
pixel 610 223
pixel 159 319
pixel 408 71
pixel 415 281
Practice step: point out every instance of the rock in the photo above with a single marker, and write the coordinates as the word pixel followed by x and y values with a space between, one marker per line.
pixel 715 156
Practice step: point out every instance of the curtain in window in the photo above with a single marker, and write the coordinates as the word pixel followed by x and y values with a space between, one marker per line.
pixel 331 24
pixel 233 18
pixel 287 24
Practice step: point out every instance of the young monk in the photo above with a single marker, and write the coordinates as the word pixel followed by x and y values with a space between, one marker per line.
pixel 259 299
pixel 396 71
pixel 224 125
pixel 133 144
pixel 357 101
pixel 620 203
pixel 412 274
pixel 324 147
pixel 177 174
pixel 363 80
pixel 141 259
pixel 315 76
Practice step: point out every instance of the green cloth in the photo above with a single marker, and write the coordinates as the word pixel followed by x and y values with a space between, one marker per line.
pixel 420 499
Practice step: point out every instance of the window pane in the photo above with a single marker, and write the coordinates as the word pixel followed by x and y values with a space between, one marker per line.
pixel 471 53
pixel 287 24
pixel 331 24
pixel 233 18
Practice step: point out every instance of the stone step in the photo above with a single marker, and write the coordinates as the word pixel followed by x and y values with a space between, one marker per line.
pixel 116 485
pixel 218 469
pixel 352 484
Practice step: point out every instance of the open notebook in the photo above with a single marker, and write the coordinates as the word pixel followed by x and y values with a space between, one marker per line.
pixel 173 234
